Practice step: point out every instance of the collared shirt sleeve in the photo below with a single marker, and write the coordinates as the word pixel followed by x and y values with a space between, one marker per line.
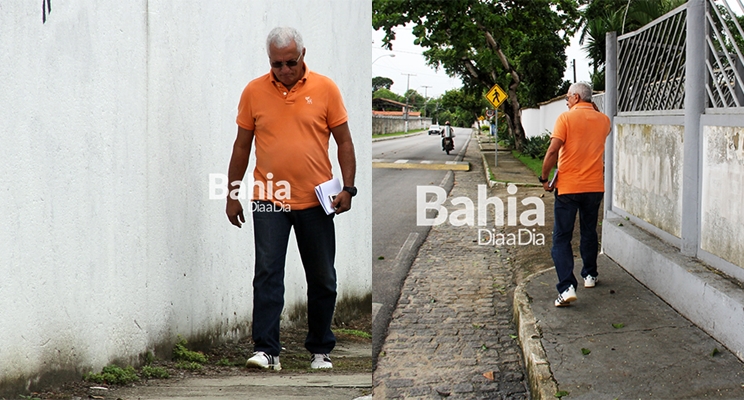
pixel 245 112
pixel 560 129
pixel 337 113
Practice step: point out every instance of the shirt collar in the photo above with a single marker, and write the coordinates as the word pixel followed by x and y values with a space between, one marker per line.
pixel 303 79
pixel 584 105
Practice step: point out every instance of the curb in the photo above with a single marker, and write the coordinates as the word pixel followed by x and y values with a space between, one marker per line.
pixel 492 183
pixel 539 375
pixel 397 137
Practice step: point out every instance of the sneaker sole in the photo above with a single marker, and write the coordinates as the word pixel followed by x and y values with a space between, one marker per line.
pixel 275 367
pixel 566 302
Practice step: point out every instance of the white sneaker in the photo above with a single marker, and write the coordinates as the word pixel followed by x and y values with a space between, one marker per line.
pixel 564 299
pixel 265 361
pixel 590 281
pixel 320 361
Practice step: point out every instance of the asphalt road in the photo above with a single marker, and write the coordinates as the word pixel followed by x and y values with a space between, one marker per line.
pixel 395 234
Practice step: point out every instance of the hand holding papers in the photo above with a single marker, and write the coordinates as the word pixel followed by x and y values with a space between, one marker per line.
pixel 326 191
pixel 552 181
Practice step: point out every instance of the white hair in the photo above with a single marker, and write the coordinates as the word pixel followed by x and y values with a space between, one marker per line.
pixel 282 36
pixel 583 89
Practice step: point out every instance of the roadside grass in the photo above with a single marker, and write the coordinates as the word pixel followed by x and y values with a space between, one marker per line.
pixel 354 332
pixel 534 164
pixel 397 133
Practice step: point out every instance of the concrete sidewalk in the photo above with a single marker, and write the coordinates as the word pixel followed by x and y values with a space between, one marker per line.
pixel 618 341
pixel 269 385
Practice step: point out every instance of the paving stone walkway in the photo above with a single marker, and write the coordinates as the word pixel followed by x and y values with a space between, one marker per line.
pixel 451 334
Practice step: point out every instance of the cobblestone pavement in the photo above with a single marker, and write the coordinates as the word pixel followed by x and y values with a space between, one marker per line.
pixel 451 335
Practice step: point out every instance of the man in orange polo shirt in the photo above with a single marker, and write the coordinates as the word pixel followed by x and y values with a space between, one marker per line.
pixel 577 145
pixel 291 113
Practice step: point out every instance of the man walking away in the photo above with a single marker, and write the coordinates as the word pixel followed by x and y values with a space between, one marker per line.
pixel 577 145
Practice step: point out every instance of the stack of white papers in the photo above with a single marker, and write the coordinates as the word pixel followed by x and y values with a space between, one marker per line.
pixel 552 182
pixel 326 191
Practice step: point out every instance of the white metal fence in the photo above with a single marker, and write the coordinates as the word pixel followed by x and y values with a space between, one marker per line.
pixel 651 60
pixel 651 65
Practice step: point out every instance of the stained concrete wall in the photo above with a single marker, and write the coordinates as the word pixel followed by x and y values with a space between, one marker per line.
pixel 387 124
pixel 648 173
pixel 113 116
pixel 722 217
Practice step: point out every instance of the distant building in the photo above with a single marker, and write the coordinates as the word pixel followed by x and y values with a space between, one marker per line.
pixel 391 108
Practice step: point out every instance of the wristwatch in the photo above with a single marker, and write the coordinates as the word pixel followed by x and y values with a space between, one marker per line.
pixel 351 189
pixel 540 178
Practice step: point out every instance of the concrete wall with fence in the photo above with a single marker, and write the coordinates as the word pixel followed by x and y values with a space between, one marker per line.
pixel 675 163
pixel 390 124
pixel 114 114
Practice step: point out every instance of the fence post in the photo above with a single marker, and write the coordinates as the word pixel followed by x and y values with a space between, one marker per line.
pixel 610 107
pixel 694 108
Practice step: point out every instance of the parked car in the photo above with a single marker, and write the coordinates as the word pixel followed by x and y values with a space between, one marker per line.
pixel 435 130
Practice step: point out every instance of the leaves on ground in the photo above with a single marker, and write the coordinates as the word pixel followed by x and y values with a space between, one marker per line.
pixel 560 393
pixel 618 326
pixel 489 375
pixel 585 351
pixel 715 352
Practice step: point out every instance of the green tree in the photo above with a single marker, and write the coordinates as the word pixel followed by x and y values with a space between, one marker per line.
pixel 415 99
pixel 518 44
pixel 465 107
pixel 387 94
pixel 380 82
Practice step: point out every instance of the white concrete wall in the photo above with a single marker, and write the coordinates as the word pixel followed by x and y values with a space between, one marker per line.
pixel 531 122
pixel 648 173
pixel 388 124
pixel 536 121
pixel 722 217
pixel 113 115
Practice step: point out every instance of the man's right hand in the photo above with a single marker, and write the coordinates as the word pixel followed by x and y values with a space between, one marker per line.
pixel 234 212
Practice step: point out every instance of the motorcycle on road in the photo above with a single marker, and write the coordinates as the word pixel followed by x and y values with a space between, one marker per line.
pixel 448 144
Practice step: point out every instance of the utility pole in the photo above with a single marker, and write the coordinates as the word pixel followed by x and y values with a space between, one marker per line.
pixel 573 64
pixel 426 97
pixel 408 82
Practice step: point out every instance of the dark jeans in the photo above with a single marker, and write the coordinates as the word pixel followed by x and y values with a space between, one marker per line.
pixel 316 241
pixel 566 206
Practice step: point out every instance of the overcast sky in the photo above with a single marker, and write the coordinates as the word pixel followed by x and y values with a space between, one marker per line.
pixel 409 60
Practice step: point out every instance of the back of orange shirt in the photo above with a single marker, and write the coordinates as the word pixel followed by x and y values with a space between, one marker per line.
pixel 292 133
pixel 580 161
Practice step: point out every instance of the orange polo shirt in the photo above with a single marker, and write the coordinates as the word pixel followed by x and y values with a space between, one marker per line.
pixel 580 160
pixel 292 133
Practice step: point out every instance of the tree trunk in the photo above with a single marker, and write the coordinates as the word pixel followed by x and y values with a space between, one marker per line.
pixel 515 117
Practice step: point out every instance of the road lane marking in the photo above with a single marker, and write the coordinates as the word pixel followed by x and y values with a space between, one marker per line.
pixel 422 164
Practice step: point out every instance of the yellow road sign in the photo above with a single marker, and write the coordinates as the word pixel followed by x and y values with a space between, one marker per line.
pixel 496 96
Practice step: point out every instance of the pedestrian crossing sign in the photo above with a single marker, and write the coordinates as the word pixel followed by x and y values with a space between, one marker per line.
pixel 496 96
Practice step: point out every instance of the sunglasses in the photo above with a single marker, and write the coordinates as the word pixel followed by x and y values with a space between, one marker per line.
pixel 290 63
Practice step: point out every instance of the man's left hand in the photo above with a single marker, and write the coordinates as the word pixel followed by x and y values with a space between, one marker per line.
pixel 342 202
pixel 547 187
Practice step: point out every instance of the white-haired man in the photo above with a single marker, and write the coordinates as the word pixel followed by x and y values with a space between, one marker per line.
pixel 291 112
pixel 577 145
